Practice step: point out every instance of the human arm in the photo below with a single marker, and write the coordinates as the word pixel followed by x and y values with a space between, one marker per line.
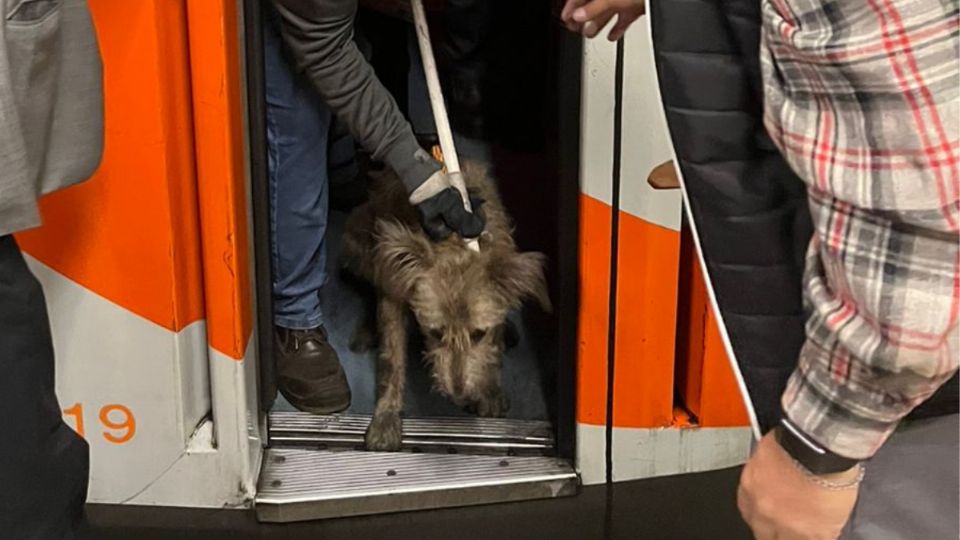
pixel 319 35
pixel 871 357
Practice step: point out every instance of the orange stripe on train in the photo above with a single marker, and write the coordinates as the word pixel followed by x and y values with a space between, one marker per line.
pixel 647 267
pixel 131 234
pixel 218 113
pixel 593 321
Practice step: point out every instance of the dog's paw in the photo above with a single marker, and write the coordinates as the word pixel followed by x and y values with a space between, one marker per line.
pixel 364 339
pixel 385 433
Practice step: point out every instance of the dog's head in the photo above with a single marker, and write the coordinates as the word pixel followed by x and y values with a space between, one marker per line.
pixel 460 299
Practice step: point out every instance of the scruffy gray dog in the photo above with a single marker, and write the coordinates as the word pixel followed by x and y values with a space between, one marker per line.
pixel 460 299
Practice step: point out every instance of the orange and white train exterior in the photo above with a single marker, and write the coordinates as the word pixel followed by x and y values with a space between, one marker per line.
pixel 148 274
pixel 146 266
pixel 665 336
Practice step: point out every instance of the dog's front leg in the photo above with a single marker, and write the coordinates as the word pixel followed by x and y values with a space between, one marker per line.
pixel 386 429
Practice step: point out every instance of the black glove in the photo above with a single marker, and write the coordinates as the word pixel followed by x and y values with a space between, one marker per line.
pixel 444 214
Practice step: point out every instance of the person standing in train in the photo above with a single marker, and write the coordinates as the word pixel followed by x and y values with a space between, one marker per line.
pixel 299 163
pixel 51 137
pixel 862 114
pixel 316 37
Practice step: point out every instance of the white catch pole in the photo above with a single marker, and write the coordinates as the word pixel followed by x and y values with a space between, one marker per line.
pixel 444 133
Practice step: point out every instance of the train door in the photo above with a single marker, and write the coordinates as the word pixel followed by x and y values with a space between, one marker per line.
pixel 316 466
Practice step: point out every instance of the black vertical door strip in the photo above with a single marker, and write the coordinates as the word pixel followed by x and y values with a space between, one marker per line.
pixel 612 308
pixel 253 18
pixel 614 248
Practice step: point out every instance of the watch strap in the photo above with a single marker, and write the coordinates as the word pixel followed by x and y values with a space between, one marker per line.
pixel 809 453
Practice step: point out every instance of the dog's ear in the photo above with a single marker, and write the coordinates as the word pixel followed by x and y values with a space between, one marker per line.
pixel 400 256
pixel 520 277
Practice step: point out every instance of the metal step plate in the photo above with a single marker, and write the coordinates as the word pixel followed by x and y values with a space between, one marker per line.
pixel 496 436
pixel 298 485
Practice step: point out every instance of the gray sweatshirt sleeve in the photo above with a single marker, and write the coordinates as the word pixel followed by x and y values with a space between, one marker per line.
pixel 319 34
pixel 18 204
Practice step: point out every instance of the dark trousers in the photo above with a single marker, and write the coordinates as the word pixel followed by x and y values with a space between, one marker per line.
pixel 43 463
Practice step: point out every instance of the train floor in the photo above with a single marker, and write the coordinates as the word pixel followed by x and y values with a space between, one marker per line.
pixel 691 506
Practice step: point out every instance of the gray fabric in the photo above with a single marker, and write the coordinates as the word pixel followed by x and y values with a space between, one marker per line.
pixel 319 35
pixel 911 487
pixel 51 104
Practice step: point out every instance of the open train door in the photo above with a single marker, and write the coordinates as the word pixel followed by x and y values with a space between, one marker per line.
pixel 315 466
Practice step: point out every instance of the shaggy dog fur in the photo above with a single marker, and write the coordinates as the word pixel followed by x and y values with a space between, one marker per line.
pixel 459 298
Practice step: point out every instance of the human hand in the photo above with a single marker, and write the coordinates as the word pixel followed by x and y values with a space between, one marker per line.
pixel 589 17
pixel 440 209
pixel 779 500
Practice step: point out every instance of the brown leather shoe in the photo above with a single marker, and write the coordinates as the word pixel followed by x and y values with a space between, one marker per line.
pixel 309 374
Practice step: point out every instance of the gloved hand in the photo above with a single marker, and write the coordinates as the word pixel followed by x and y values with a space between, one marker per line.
pixel 444 214
pixel 440 209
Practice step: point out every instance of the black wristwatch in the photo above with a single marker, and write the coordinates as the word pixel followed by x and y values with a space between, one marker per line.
pixel 808 452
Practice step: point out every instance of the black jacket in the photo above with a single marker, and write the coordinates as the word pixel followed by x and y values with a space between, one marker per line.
pixel 749 209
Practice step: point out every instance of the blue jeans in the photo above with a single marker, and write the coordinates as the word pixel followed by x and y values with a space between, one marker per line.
pixel 298 139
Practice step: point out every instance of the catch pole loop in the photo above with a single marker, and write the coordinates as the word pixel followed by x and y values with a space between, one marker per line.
pixel 451 161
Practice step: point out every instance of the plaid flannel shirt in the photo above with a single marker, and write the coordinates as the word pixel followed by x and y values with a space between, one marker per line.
pixel 863 100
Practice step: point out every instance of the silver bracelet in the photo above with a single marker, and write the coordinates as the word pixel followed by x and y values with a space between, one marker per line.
pixel 827 484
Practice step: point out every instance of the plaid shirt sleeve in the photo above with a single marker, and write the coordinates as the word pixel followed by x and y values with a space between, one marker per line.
pixel 862 98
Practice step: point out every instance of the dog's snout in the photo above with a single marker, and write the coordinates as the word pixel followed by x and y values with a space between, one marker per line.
pixel 457 373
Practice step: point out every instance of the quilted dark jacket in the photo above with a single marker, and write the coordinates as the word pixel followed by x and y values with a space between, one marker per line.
pixel 749 209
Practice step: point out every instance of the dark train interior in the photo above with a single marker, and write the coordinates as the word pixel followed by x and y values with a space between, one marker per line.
pixel 512 94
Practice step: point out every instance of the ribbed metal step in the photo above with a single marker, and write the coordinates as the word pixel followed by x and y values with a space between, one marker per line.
pixel 298 485
pixel 497 436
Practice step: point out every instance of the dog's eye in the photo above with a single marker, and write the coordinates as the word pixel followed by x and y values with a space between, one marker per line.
pixel 436 333
pixel 477 336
